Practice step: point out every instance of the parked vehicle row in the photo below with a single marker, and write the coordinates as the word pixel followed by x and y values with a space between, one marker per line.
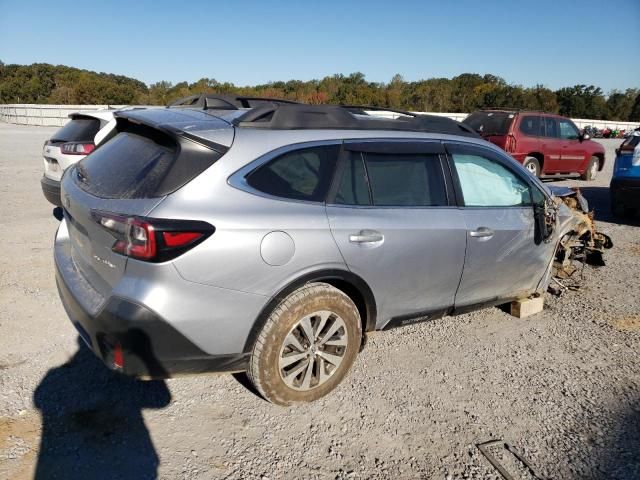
pixel 271 239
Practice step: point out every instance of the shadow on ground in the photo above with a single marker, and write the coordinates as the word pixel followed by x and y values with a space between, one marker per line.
pixel 620 459
pixel 92 424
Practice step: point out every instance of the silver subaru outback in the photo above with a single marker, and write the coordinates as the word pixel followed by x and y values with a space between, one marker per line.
pixel 271 240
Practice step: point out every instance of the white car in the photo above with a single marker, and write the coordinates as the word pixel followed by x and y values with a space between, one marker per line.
pixel 70 144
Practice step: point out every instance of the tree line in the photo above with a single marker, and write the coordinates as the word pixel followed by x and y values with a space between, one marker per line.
pixel 59 84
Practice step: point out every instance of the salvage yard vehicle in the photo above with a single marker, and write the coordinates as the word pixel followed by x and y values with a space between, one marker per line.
pixel 271 240
pixel 548 145
pixel 625 183
pixel 70 144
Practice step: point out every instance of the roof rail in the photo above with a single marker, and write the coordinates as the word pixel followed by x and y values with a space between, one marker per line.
pixel 212 101
pixel 344 117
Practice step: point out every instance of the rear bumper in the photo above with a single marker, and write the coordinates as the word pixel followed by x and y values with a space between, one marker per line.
pixel 150 346
pixel 51 190
pixel 625 191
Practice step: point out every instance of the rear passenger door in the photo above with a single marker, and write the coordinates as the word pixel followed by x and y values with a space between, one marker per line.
pixel 392 215
pixel 502 258
pixel 552 146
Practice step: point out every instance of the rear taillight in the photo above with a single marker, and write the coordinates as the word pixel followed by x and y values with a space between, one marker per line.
pixel 77 148
pixel 152 239
pixel 510 146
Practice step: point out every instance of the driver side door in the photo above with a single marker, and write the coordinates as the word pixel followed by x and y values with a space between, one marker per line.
pixel 572 155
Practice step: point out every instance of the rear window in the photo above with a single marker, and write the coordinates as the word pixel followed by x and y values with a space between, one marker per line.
pixel 490 123
pixel 132 165
pixel 531 125
pixel 630 143
pixel 301 174
pixel 78 130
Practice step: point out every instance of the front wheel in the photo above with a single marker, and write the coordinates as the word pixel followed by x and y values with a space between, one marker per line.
pixel 532 165
pixel 592 170
pixel 307 345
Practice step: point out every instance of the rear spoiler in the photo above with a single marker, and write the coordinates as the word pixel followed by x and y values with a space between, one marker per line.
pixel 161 130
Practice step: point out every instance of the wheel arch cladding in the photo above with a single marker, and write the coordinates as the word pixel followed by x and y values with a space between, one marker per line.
pixel 347 282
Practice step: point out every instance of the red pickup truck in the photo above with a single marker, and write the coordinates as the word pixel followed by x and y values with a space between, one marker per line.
pixel 547 145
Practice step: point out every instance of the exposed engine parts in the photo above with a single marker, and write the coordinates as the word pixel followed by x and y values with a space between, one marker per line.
pixel 582 245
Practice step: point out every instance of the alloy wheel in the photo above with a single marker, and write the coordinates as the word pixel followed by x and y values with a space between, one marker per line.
pixel 313 350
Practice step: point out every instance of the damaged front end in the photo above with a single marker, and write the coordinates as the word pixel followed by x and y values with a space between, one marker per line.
pixel 580 243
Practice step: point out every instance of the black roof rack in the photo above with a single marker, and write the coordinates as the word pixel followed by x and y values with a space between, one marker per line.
pixel 212 101
pixel 345 117
pixel 514 110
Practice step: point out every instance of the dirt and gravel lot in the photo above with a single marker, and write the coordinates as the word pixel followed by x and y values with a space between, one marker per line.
pixel 562 387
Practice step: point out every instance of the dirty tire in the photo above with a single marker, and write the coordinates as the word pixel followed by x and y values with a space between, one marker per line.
pixel 264 367
pixel 592 170
pixel 532 165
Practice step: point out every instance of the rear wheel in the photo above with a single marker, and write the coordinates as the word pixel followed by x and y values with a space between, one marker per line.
pixel 592 170
pixel 307 345
pixel 532 165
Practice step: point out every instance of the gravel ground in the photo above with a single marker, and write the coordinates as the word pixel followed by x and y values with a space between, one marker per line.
pixel 562 387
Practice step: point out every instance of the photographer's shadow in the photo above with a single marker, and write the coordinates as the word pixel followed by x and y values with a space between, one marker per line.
pixel 92 424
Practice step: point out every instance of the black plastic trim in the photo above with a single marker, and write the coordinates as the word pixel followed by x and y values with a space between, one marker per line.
pixel 492 302
pixel 406 147
pixel 293 117
pixel 151 346
pixel 51 190
pixel 321 275
pixel 417 317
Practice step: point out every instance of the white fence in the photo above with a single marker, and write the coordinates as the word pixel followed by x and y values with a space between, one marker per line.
pixel 58 115
pixel 44 115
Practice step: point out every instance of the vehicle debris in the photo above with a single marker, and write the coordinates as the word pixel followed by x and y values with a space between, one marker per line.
pixel 582 245
pixel 525 467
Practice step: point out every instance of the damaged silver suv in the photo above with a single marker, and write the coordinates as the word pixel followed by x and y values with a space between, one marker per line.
pixel 272 239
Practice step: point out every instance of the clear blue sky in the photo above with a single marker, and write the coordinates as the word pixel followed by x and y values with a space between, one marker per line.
pixel 557 43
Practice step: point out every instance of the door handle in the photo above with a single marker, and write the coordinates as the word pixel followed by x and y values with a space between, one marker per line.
pixel 366 236
pixel 482 232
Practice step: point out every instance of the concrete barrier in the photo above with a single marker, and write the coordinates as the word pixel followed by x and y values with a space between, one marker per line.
pixel 58 115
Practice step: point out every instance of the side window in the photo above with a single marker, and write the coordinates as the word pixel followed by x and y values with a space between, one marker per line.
pixel 486 183
pixel 353 188
pixel 394 180
pixel 530 125
pixel 301 174
pixel 567 130
pixel 551 127
pixel 405 180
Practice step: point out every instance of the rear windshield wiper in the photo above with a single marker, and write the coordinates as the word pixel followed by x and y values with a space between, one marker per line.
pixel 82 174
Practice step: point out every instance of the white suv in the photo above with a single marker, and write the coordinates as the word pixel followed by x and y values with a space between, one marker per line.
pixel 70 144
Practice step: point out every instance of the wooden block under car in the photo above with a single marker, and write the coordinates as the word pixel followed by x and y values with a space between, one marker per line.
pixel 527 306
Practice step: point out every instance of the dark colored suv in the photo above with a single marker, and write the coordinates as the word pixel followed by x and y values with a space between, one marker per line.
pixel 547 145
